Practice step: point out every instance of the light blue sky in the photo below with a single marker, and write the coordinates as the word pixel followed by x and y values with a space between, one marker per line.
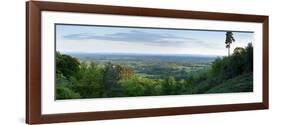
pixel 101 39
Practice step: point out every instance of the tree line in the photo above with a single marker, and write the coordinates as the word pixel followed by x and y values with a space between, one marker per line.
pixel 75 79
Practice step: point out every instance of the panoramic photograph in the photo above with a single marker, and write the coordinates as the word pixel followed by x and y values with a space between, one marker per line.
pixel 94 61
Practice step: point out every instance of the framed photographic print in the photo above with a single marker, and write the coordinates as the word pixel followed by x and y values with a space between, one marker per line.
pixel 94 62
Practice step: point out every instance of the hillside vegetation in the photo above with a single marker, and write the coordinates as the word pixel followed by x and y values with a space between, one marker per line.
pixel 241 83
pixel 81 79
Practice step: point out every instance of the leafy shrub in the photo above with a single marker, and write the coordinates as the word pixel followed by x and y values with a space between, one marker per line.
pixel 63 92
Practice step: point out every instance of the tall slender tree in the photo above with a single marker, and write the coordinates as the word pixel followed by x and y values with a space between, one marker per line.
pixel 228 40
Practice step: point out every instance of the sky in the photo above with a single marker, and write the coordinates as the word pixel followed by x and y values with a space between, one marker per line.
pixel 108 39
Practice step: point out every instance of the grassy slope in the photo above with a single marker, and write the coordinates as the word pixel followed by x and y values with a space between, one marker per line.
pixel 241 83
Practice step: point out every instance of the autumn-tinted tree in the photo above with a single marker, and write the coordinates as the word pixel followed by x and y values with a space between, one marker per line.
pixel 124 72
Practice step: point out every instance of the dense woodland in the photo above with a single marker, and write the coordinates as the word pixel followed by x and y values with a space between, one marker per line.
pixel 81 79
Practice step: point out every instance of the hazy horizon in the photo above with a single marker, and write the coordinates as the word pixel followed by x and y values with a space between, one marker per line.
pixel 169 54
pixel 128 40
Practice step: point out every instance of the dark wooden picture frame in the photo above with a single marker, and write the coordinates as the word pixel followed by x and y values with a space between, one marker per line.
pixel 33 61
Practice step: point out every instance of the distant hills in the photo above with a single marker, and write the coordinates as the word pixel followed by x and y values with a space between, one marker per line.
pixel 192 58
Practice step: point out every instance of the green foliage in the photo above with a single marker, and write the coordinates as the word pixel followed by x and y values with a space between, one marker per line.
pixel 152 87
pixel 228 67
pixel 190 84
pixel 62 89
pixel 139 86
pixel 110 79
pixel 169 85
pixel 132 87
pixel 66 93
pixel 248 58
pixel 89 80
pixel 228 40
pixel 241 83
pixel 66 65
pixel 76 79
